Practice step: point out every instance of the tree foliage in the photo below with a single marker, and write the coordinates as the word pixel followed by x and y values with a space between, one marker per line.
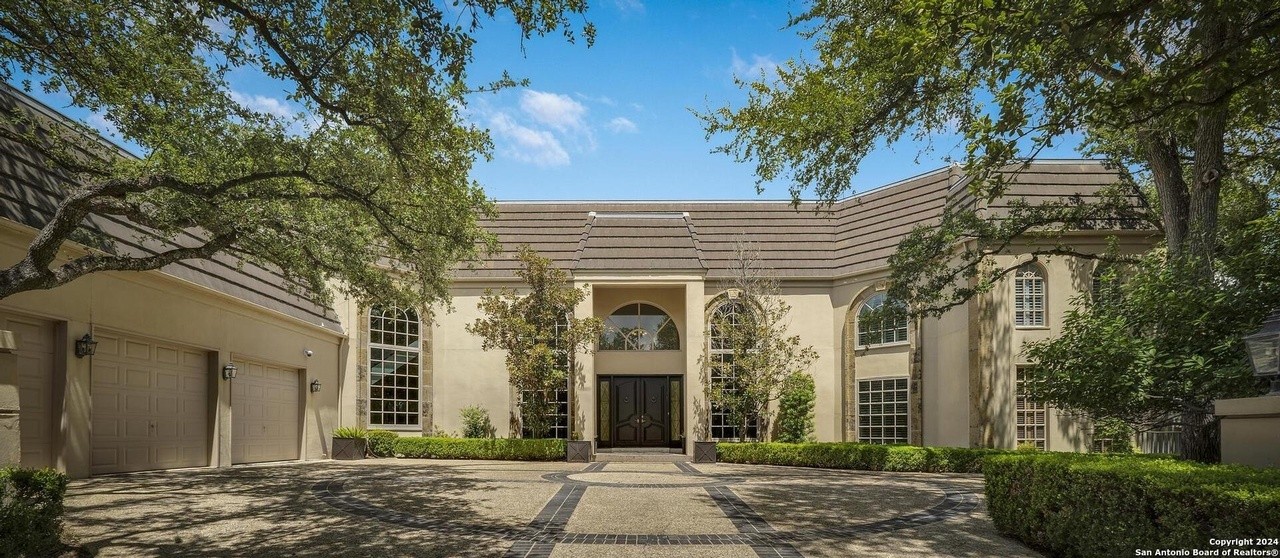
pixel 370 172
pixel 795 420
pixel 1181 97
pixel 749 354
pixel 540 334
pixel 1160 342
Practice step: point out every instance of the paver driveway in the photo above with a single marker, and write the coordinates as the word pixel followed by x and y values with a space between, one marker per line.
pixel 406 507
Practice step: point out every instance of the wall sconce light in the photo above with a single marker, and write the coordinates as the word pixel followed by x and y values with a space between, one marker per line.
pixel 86 346
pixel 229 371
pixel 315 386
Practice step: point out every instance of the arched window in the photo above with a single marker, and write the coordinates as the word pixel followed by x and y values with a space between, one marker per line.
pixel 881 321
pixel 1103 289
pixel 727 314
pixel 639 327
pixel 1028 296
pixel 395 367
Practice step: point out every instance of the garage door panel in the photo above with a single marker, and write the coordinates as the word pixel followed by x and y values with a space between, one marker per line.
pixel 265 406
pixel 34 359
pixel 147 418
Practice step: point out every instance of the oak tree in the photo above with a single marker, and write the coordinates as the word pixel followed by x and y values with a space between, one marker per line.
pixel 367 173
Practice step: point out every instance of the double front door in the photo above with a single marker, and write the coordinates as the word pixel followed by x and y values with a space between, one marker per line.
pixel 642 411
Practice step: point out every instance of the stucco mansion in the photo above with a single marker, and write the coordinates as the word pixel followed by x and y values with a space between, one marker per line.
pixel 209 363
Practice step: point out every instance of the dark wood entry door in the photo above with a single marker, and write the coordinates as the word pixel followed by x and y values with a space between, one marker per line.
pixel 641 409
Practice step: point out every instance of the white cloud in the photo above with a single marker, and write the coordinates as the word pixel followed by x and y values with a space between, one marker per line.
pixel 622 125
pixel 759 64
pixel 558 111
pixel 264 104
pixel 605 100
pixel 636 6
pixel 538 147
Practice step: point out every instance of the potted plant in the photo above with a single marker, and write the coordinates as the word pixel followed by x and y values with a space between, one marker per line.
pixel 704 452
pixel 578 450
pixel 350 442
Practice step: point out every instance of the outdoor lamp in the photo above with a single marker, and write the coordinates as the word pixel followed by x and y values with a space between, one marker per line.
pixel 229 371
pixel 1264 352
pixel 315 386
pixel 86 346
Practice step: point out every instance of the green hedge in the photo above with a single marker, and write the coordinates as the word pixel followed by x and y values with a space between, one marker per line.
pixel 515 449
pixel 382 443
pixel 865 457
pixel 1090 505
pixel 30 511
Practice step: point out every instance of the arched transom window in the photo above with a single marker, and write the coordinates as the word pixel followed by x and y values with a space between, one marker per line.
pixel 1028 297
pixel 881 321
pixel 639 327
pixel 395 367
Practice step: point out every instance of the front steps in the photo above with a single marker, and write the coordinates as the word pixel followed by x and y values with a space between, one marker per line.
pixel 640 457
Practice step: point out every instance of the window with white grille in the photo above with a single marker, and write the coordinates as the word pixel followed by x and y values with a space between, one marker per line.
pixel 881 322
pixel 1028 297
pixel 882 411
pixel 395 367
pixel 724 425
pixel 558 413
pixel 1031 418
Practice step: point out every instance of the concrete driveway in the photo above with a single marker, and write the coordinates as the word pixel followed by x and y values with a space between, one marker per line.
pixel 403 507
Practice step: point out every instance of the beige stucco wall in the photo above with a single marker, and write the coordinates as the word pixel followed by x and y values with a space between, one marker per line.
pixel 1249 430
pixel 161 307
pixel 465 374
pixel 607 298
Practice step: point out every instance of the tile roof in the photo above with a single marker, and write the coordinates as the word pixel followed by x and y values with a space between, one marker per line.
pixel 854 235
pixel 29 194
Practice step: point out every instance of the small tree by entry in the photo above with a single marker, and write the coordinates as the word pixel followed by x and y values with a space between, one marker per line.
pixel 748 354
pixel 539 333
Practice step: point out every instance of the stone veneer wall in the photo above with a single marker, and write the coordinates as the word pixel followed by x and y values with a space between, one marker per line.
pixel 426 406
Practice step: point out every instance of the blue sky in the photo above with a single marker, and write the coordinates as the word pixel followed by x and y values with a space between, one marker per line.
pixel 614 121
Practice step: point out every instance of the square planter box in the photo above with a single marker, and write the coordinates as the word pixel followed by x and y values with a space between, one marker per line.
pixel 704 452
pixel 578 451
pixel 349 448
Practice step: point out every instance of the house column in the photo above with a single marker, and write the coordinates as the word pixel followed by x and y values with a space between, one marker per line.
pixel 696 411
pixel 583 411
pixel 10 423
pixel 73 401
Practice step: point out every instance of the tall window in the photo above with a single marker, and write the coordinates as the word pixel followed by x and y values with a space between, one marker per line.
pixel 1028 297
pixel 558 414
pixel 395 367
pixel 1031 418
pixel 882 411
pixel 881 321
pixel 639 327
pixel 724 425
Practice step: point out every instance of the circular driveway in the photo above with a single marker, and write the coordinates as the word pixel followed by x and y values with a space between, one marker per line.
pixel 403 507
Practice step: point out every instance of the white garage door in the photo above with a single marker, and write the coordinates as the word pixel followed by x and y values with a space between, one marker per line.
pixel 150 405
pixel 264 414
pixel 35 387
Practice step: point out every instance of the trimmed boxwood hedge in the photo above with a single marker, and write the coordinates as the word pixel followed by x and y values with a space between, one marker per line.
pixel 382 443
pixel 1091 505
pixel 865 457
pixel 30 511
pixel 515 449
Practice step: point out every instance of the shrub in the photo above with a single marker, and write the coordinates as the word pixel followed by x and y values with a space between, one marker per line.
pixel 476 423
pixel 795 409
pixel 31 511
pixel 350 432
pixel 1111 505
pixel 382 443
pixel 865 457
pixel 515 449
